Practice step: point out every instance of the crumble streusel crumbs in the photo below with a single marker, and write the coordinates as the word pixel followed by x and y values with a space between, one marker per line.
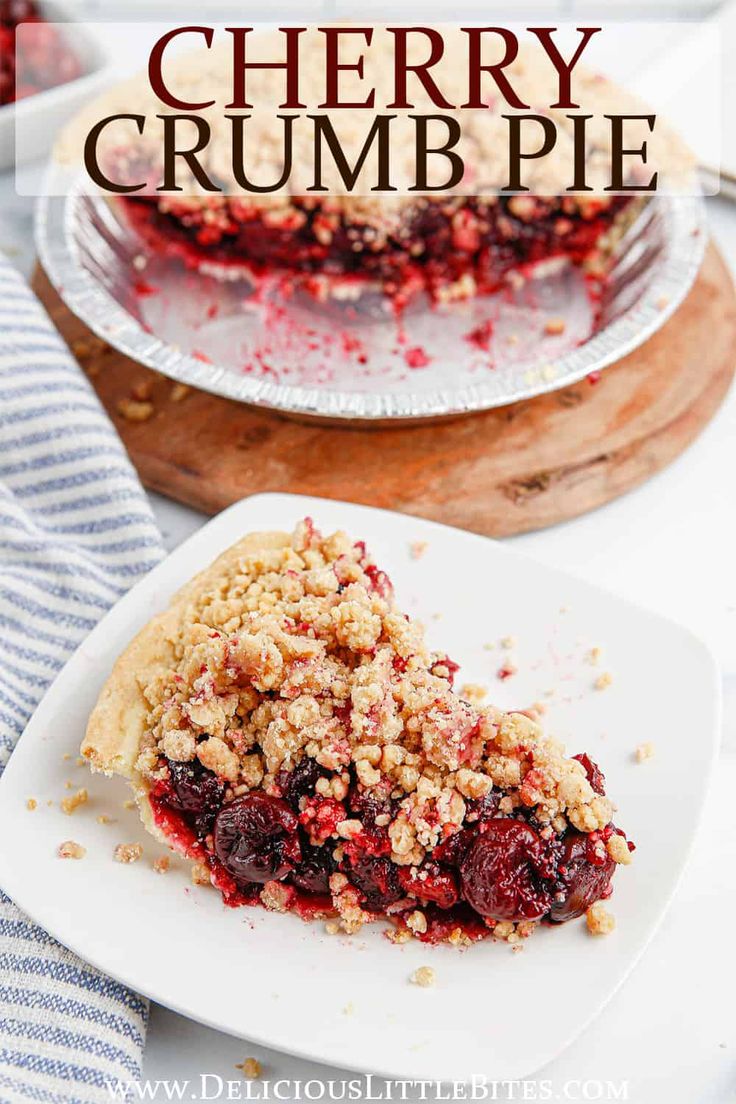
pixel 142 390
pixel 417 922
pixel 398 935
pixel 71 850
pixel 424 977
pixel 418 548
pixel 644 752
pixel 555 326
pixel 127 852
pixel 103 818
pixel 179 391
pixel 31 804
pixel 474 693
pixel 599 920
pixel 251 1068
pixel 594 656
pixel 603 681
pixel 200 874
pixel 69 804
pixel 618 849
pixel 135 410
pixel 162 864
pixel 506 671
pixel 299 651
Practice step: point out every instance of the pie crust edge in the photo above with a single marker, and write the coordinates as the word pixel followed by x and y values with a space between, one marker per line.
pixel 118 720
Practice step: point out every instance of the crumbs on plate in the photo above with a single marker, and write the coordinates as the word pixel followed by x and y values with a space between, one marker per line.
pixel 71 850
pixel 127 852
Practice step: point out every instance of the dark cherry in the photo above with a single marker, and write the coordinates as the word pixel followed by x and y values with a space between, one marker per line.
pixel 193 789
pixel 377 879
pixel 430 883
pixel 500 873
pixel 580 882
pixel 478 809
pixel 593 772
pixel 312 875
pixel 366 805
pixel 256 838
pixel 300 781
pixel 453 850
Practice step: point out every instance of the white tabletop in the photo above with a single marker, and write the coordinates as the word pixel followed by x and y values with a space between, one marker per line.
pixel 670 1032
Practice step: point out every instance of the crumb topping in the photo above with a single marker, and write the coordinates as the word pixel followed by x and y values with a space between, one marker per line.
pixel 482 143
pixel 300 703
pixel 301 653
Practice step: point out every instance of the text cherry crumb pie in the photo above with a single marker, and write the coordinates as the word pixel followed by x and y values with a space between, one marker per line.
pixel 283 725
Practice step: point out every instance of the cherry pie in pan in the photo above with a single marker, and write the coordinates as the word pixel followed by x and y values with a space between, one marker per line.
pixel 283 725
pixel 451 248
pixel 452 244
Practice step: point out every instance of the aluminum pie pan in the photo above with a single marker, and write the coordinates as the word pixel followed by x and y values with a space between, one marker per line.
pixel 187 326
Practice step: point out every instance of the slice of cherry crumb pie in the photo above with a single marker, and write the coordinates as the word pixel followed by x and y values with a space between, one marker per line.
pixel 284 726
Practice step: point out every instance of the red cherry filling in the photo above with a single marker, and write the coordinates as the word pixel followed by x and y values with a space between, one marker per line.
pixel 300 781
pixel 581 881
pixel 194 789
pixel 196 792
pixel 593 773
pixel 430 883
pixel 478 809
pixel 255 838
pixel 377 879
pixel 367 807
pixel 505 243
pixel 500 868
pixel 500 874
pixel 312 875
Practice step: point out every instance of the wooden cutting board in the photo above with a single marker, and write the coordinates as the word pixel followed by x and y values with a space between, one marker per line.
pixel 506 471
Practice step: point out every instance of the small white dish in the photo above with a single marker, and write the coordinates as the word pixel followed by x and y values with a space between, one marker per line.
pixel 38 119
pixel 348 1001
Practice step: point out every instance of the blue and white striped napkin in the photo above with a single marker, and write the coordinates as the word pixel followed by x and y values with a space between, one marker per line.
pixel 76 532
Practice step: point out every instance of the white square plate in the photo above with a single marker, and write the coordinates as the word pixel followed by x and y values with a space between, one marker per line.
pixel 286 984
